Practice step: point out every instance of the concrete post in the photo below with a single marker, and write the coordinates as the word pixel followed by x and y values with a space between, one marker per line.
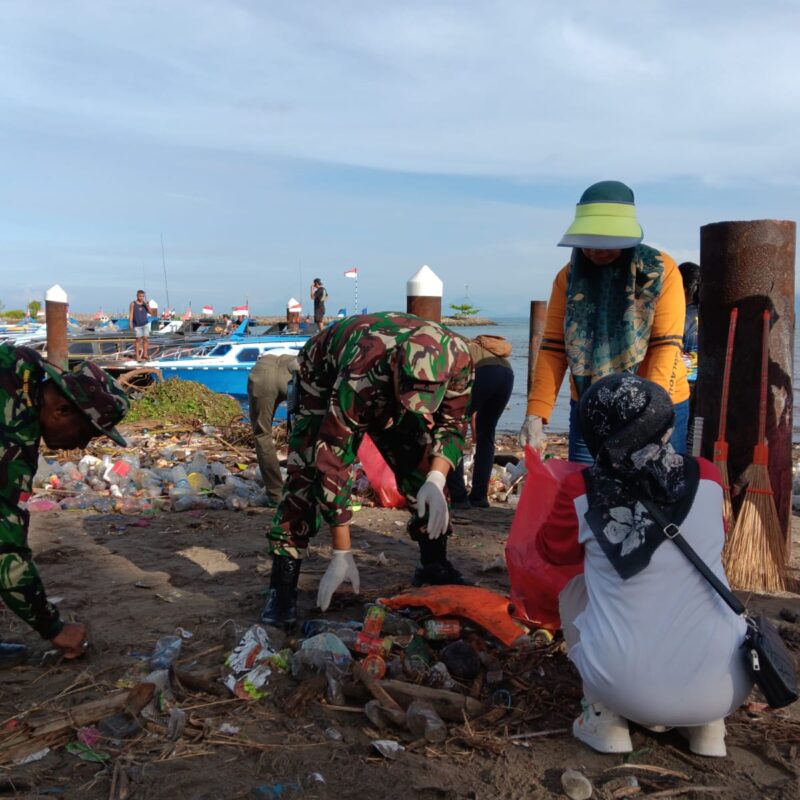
pixel 55 314
pixel 749 266
pixel 535 335
pixel 293 311
pixel 424 291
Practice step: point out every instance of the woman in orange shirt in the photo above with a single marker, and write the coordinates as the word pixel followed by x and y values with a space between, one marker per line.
pixel 617 306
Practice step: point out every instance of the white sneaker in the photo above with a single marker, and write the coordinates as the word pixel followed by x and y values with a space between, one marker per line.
pixel 706 740
pixel 602 729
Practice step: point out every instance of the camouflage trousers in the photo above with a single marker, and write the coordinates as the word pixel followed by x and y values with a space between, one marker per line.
pixel 318 485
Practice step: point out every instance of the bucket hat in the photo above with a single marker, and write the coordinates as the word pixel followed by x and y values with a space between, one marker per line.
pixel 99 397
pixel 605 219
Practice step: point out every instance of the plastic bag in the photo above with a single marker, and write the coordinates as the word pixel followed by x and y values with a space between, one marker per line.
pixel 535 583
pixel 380 475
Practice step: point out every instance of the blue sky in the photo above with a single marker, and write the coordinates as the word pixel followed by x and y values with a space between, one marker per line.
pixel 276 142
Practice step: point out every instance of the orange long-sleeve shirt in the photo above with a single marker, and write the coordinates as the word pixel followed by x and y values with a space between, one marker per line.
pixel 662 364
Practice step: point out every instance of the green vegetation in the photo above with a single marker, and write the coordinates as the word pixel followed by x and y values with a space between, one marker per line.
pixel 33 307
pixel 13 314
pixel 175 400
pixel 464 310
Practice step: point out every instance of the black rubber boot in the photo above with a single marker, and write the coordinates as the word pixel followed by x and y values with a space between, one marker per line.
pixel 434 568
pixel 281 607
pixel 12 654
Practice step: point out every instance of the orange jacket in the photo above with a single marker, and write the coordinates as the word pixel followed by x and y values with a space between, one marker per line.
pixel 662 364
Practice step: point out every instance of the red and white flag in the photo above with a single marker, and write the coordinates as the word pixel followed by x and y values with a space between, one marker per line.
pixel 351 273
pixel 241 311
pixel 207 310
pixel 188 313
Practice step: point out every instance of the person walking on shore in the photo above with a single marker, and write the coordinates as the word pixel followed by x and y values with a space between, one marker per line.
pixel 66 409
pixel 319 295
pixel 406 382
pixel 138 321
pixel 617 306
pixel 267 388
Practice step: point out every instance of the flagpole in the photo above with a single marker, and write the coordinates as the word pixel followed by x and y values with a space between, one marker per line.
pixel 355 308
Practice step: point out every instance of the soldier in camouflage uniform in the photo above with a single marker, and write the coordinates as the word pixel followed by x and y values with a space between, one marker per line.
pixel 406 382
pixel 67 410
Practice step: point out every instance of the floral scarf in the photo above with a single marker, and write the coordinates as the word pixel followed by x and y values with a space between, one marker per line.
pixel 609 313
pixel 627 422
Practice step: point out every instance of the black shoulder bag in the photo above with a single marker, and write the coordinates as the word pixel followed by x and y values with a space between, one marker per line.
pixel 766 657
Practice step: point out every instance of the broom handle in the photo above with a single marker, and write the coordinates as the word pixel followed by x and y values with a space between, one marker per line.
pixel 726 375
pixel 762 401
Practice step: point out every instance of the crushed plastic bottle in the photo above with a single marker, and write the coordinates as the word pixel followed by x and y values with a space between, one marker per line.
pixel 360 642
pixel 441 628
pixel 318 651
pixel 189 502
pixel 422 720
pixel 311 627
pixel 393 624
pixel 167 649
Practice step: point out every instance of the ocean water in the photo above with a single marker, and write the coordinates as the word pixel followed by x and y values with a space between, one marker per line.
pixel 516 331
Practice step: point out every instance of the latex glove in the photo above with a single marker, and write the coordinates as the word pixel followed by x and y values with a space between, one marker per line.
pixel 342 568
pixel 532 433
pixel 431 500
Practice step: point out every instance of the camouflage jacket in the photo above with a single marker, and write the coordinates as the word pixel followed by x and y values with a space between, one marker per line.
pixel 353 361
pixel 21 589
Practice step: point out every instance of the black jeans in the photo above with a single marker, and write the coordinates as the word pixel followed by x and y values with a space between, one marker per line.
pixel 491 392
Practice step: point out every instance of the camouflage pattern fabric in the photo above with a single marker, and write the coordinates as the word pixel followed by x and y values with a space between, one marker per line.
pixel 362 375
pixel 21 589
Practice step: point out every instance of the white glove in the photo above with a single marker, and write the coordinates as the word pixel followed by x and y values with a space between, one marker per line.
pixel 532 434
pixel 342 568
pixel 431 500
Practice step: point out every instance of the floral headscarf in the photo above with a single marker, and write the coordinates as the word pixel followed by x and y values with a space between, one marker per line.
pixel 627 422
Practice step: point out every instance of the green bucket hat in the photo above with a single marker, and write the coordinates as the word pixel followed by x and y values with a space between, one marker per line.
pixel 96 394
pixel 427 360
pixel 605 219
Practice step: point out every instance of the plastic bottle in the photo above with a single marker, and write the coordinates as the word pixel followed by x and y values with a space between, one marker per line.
pixel 311 627
pixel 360 642
pixel 199 463
pixel 373 620
pixel 439 677
pixel 394 624
pixel 165 652
pixel 180 482
pixel 422 720
pixel 236 503
pixel 189 502
pixel 374 665
pixel 218 472
pixel 442 628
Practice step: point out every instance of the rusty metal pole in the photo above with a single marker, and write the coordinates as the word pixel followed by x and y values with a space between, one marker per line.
pixel 749 266
pixel 424 291
pixel 535 335
pixel 55 314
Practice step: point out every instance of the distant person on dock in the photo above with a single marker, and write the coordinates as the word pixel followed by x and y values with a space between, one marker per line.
pixel 139 323
pixel 690 275
pixel 319 295
pixel 617 306
pixel 267 388
pixel 406 382
pixel 66 409
pixel 491 391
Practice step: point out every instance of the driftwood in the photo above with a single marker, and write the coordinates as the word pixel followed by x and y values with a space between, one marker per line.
pixel 407 692
pixel 375 688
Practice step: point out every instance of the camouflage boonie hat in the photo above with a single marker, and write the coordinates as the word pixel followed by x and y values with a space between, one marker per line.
pixel 427 360
pixel 96 394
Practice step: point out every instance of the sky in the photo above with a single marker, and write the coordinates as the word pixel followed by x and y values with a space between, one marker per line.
pixel 271 143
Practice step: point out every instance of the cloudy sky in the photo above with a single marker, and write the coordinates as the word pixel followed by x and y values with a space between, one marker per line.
pixel 273 142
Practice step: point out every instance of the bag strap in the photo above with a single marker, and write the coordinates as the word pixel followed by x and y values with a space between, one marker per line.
pixel 672 531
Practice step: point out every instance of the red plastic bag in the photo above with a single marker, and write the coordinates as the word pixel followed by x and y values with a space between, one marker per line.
pixel 380 476
pixel 535 583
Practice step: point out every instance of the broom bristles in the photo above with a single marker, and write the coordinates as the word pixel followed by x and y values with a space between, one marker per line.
pixel 755 555
pixel 727 505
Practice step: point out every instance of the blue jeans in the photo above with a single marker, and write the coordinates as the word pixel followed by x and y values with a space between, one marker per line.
pixel 490 395
pixel 578 451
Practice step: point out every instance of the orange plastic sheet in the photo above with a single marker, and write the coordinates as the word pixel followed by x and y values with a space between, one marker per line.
pixel 535 583
pixel 380 476
pixel 490 610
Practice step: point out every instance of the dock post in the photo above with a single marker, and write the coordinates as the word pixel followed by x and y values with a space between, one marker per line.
pixel 749 266
pixel 535 335
pixel 424 291
pixel 55 314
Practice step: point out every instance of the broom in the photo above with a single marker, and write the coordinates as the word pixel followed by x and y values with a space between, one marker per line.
pixel 755 553
pixel 721 445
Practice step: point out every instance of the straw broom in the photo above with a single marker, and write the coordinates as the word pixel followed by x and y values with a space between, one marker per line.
pixel 755 553
pixel 721 445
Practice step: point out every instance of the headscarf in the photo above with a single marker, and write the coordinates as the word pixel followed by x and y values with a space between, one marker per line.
pixel 627 422
pixel 609 313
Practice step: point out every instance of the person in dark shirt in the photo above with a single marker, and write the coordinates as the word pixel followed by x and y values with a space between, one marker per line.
pixel 319 295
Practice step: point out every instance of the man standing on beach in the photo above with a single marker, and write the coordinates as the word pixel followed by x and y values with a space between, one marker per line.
pixel 138 316
pixel 66 409
pixel 319 295
pixel 267 388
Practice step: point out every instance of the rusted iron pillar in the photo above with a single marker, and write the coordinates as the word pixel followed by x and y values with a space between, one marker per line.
pixel 535 334
pixel 750 266
pixel 424 291
pixel 55 315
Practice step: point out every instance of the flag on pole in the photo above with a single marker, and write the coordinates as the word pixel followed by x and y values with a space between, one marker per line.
pixel 188 313
pixel 351 273
pixel 208 310
pixel 241 311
